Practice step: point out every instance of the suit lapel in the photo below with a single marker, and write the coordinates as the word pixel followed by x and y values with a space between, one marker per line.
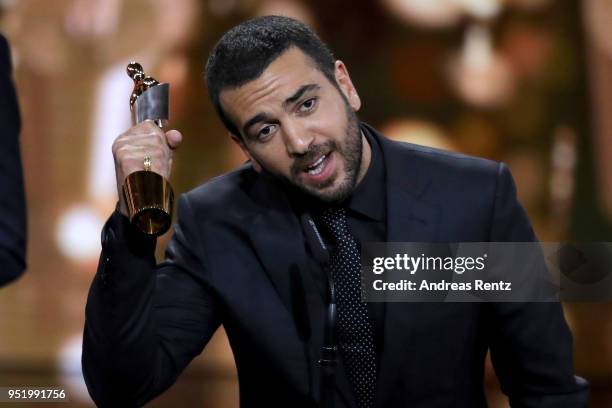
pixel 411 221
pixel 279 246
pixel 277 239
pixel 410 218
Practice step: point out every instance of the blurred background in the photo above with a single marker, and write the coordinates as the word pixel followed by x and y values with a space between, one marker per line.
pixel 528 82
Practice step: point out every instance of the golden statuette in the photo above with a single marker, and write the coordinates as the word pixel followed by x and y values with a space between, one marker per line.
pixel 148 195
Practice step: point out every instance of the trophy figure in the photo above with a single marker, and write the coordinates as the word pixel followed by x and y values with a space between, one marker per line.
pixel 148 195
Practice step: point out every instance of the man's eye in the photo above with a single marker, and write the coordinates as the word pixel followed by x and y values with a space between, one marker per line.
pixel 308 105
pixel 265 131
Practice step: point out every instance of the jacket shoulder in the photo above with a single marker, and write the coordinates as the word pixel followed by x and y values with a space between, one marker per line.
pixel 463 189
pixel 225 192
pixel 440 162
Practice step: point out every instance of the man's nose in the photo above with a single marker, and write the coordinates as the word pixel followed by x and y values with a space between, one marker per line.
pixel 297 139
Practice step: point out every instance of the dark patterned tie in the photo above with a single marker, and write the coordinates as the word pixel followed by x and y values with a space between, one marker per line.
pixel 354 329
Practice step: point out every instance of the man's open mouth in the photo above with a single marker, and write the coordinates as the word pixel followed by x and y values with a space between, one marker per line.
pixel 316 167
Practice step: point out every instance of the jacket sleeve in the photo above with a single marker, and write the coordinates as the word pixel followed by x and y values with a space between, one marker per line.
pixel 145 322
pixel 530 343
pixel 12 196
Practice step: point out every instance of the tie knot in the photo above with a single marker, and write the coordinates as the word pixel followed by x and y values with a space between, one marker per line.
pixel 334 219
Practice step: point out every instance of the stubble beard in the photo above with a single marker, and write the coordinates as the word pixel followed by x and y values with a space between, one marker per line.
pixel 349 153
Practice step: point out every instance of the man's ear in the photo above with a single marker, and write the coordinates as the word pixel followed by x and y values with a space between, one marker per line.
pixel 346 85
pixel 245 150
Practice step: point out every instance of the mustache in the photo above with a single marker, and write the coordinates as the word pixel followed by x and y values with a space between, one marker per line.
pixel 302 162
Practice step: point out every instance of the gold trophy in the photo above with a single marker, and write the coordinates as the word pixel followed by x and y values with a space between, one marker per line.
pixel 148 195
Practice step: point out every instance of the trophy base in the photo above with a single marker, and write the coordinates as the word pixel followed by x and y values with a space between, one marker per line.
pixel 149 198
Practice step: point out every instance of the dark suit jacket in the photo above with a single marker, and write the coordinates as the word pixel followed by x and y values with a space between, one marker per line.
pixel 12 198
pixel 238 258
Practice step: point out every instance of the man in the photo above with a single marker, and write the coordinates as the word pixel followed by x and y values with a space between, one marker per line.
pixel 12 201
pixel 240 255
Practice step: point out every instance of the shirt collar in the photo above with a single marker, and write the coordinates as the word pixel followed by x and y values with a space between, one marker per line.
pixel 369 198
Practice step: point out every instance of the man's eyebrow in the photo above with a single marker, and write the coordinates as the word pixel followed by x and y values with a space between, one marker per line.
pixel 298 94
pixel 262 117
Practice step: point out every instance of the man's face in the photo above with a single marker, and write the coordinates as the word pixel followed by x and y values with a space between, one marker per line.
pixel 301 128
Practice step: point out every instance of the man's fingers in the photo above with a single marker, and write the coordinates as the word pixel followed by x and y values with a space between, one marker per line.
pixel 174 138
pixel 145 140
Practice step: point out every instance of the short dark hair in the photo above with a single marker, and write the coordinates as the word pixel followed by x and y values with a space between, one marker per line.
pixel 246 50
